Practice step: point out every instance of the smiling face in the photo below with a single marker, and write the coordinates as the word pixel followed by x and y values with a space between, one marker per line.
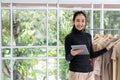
pixel 79 22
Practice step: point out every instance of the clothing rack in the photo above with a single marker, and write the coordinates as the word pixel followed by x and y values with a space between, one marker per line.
pixel 101 73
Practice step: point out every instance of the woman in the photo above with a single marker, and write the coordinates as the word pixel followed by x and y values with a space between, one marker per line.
pixel 80 67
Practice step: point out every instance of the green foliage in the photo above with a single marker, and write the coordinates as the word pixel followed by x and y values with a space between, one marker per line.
pixel 52 28
pixel 111 21
pixel 96 18
pixel 64 69
pixel 32 29
pixel 65 24
pixel 6 27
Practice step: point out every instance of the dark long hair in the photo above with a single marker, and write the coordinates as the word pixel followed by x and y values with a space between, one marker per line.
pixel 74 16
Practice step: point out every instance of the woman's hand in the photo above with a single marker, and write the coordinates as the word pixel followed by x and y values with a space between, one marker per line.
pixel 75 52
pixel 110 46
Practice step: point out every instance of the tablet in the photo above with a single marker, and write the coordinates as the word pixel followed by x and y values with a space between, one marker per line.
pixel 84 47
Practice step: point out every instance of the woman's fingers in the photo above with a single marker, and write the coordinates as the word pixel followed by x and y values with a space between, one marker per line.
pixel 75 52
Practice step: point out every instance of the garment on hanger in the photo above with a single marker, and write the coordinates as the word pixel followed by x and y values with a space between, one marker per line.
pixel 116 61
pixel 106 69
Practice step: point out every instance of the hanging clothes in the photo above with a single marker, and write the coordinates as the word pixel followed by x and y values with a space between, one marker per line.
pixel 116 61
pixel 106 69
pixel 103 64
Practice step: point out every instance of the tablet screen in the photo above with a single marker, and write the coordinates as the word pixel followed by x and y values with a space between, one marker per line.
pixel 83 47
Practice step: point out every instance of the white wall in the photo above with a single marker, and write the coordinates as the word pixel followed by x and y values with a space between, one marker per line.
pixel 68 1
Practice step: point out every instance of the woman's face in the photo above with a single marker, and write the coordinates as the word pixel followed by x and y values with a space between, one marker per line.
pixel 79 22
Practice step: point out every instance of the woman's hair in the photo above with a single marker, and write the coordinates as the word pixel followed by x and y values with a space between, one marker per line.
pixel 78 13
pixel 74 16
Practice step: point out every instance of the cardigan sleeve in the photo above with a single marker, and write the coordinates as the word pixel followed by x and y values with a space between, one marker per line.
pixel 96 53
pixel 67 46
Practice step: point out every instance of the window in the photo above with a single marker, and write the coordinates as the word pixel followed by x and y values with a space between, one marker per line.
pixel 32 36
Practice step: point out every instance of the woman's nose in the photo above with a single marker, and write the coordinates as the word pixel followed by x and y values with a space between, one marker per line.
pixel 80 23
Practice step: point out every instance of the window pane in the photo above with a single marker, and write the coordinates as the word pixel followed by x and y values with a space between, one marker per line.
pixel 65 24
pixel 52 69
pixel 29 27
pixel 52 28
pixel 52 52
pixel 6 28
pixel 112 20
pixel 96 19
pixel 87 12
pixel 6 69
pixel 62 52
pixel 6 52
pixel 63 69
pixel 30 69
pixel 30 52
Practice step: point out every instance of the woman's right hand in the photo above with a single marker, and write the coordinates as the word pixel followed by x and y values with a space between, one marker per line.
pixel 75 52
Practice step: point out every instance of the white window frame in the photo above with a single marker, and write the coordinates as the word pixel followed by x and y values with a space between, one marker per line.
pixel 57 8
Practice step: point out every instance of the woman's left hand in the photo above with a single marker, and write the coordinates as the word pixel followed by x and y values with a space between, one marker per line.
pixel 110 46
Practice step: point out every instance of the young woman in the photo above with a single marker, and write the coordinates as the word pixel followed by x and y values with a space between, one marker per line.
pixel 80 67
